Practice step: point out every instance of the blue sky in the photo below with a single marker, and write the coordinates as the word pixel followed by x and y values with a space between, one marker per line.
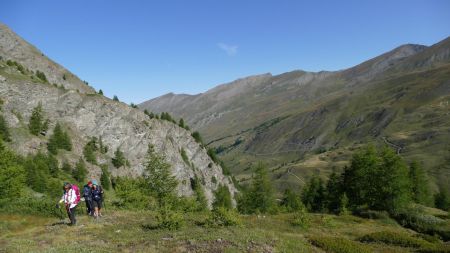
pixel 142 49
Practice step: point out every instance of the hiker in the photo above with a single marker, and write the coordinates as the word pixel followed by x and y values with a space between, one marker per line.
pixel 87 194
pixel 70 198
pixel 97 198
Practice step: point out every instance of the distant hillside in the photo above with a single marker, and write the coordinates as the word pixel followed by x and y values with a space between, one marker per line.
pixel 304 123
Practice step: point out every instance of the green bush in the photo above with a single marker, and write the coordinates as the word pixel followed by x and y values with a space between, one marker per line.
pixel 169 219
pixel 30 206
pixel 338 245
pixel 300 219
pixel 131 194
pixel 397 239
pixel 222 217
pixel 184 156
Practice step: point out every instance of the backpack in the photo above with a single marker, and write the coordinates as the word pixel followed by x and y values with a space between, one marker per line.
pixel 77 192
pixel 97 194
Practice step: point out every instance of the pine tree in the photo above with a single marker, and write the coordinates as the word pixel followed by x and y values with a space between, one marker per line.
pixel 260 197
pixel 313 195
pixel 89 151
pixel 4 129
pixel 104 179
pixel 291 201
pixel 379 180
pixel 66 167
pixel 100 92
pixel 80 172
pixel 59 140
pixel 12 174
pixel 420 185
pixel 36 120
pixel 181 123
pixel 115 98
pixel 222 198
pixel 334 192
pixel 199 194
pixel 119 159
pixel 159 180
pixel 197 137
pixel 442 199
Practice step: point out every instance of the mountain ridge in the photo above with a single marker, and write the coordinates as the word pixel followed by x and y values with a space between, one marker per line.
pixel 295 116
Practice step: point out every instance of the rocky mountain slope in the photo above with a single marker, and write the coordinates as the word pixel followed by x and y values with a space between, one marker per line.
pixel 85 114
pixel 304 123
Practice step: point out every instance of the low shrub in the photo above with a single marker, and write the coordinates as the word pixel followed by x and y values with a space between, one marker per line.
pixel 169 219
pixel 416 219
pixel 338 245
pixel 30 206
pixel 397 239
pixel 300 219
pixel 223 217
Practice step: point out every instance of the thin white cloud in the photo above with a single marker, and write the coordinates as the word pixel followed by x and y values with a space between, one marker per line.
pixel 229 49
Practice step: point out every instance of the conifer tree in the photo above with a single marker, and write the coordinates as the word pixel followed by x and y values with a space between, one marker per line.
pixel 119 159
pixel 222 197
pixel 80 172
pixel 159 178
pixel 420 184
pixel 291 201
pixel 4 129
pixel 36 120
pixel 313 195
pixel 104 179
pixel 260 196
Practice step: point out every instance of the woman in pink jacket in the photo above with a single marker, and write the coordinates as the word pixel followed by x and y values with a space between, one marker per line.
pixel 70 200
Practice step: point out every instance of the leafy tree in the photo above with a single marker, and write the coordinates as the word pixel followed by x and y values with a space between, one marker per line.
pixel 313 195
pixel 420 184
pixel 197 137
pixel 80 171
pixel 64 77
pixel 104 179
pixel 343 204
pixel 222 198
pixel 36 124
pixel 260 197
pixel 159 178
pixel 115 98
pixel 100 92
pixel 133 105
pixel 119 159
pixel 4 129
pixel 291 201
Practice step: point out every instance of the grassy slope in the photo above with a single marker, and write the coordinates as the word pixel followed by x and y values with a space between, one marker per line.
pixel 410 111
pixel 123 231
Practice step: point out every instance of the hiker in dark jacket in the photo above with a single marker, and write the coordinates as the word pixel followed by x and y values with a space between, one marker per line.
pixel 97 199
pixel 87 195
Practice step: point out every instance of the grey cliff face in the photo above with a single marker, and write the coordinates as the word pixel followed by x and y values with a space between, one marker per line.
pixel 85 114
